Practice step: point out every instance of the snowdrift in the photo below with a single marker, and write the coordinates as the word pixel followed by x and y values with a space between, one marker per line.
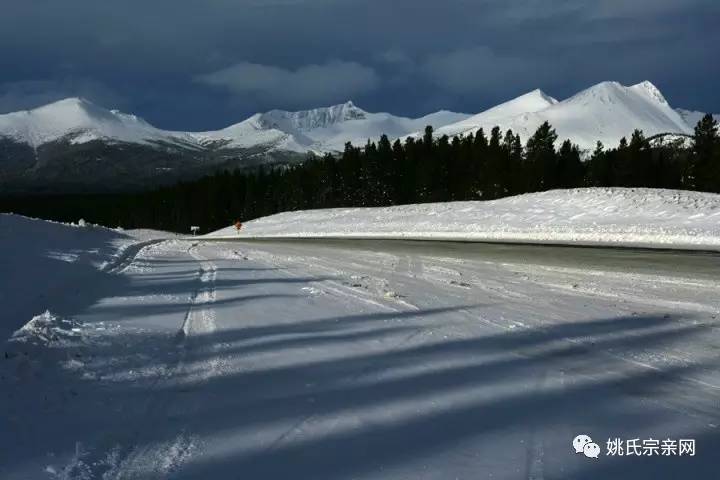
pixel 51 265
pixel 628 217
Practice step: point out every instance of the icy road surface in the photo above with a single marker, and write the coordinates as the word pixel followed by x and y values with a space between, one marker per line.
pixel 368 360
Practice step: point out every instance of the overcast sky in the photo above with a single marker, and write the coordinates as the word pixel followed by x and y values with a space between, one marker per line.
pixel 203 64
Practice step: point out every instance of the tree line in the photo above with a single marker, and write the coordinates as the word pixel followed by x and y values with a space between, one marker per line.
pixel 477 166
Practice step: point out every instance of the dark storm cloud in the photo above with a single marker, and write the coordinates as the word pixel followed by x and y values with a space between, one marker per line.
pixel 202 64
pixel 332 82
pixel 478 69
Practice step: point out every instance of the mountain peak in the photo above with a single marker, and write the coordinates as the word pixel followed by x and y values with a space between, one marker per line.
pixel 537 93
pixel 613 92
pixel 74 100
pixel 73 110
pixel 63 104
pixel 311 119
pixel 76 119
pixel 608 92
pixel 650 89
pixel 529 102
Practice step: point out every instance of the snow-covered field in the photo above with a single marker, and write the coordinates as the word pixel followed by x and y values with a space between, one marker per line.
pixel 636 217
pixel 124 357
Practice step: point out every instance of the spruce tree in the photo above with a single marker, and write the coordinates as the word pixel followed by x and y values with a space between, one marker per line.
pixel 570 168
pixel 599 168
pixel 640 161
pixel 541 158
pixel 705 164
pixel 493 166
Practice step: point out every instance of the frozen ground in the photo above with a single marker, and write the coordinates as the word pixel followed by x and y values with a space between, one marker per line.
pixel 350 360
pixel 638 217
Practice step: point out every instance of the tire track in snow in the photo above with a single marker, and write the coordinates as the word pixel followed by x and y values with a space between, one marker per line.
pixel 200 320
pixel 159 459
pixel 125 258
pixel 132 456
pixel 535 454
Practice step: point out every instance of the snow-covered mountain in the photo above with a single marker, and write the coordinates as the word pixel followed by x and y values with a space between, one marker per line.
pixel 692 117
pixel 77 144
pixel 605 112
pixel 320 130
pixel 73 144
pixel 79 121
pixel 531 102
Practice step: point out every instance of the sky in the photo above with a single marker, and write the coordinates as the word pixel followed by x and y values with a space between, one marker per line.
pixel 205 64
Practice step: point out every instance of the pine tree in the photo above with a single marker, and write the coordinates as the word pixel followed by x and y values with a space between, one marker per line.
pixel 479 159
pixel 425 167
pixel 515 164
pixel 493 166
pixel 599 168
pixel 621 161
pixel 570 168
pixel 428 136
pixel 400 175
pixel 541 158
pixel 640 160
pixel 385 171
pixel 705 163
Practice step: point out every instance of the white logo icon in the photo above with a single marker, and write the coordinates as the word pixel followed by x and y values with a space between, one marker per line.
pixel 579 443
pixel 584 444
pixel 591 450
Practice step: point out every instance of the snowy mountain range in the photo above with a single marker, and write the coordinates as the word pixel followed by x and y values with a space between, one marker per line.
pixel 322 129
pixel 605 112
pixel 73 143
pixel 78 121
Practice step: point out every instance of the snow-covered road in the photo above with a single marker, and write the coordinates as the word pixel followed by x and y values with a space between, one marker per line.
pixel 370 360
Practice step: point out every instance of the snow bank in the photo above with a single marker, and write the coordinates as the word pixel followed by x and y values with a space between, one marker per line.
pixel 48 330
pixel 631 217
pixel 56 266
